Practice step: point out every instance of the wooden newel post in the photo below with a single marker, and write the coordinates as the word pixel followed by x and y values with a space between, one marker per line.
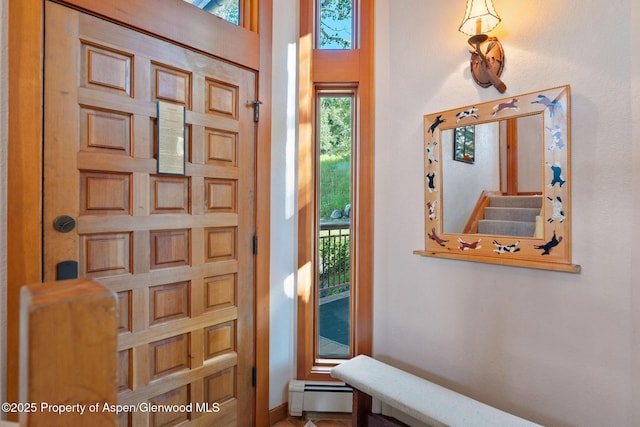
pixel 68 354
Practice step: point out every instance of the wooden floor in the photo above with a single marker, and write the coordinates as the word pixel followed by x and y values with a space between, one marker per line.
pixel 319 420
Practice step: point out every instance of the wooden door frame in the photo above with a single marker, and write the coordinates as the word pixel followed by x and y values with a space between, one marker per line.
pixel 25 155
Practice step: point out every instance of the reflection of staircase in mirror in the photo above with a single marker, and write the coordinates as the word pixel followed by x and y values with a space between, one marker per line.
pixel 506 215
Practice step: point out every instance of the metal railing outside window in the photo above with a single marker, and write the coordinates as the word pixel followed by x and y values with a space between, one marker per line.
pixel 334 269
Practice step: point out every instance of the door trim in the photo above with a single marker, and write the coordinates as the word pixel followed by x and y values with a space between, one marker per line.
pixel 25 157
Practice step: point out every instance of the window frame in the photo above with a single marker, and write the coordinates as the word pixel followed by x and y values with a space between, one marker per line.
pixel 334 90
pixel 326 68
pixel 467 146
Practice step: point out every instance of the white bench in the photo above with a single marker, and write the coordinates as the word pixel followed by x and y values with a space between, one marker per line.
pixel 420 399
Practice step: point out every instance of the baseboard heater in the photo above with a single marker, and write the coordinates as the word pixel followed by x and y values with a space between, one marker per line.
pixel 319 396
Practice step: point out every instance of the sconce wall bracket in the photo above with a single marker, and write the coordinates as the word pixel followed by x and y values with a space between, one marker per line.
pixel 487 61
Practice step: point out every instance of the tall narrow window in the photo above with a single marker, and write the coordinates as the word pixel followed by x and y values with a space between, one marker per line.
pixel 336 24
pixel 333 278
pixel 335 185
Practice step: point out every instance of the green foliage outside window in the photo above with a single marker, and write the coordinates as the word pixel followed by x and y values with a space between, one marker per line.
pixel 335 126
pixel 335 153
pixel 229 11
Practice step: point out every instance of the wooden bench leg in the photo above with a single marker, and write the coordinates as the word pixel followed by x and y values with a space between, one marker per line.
pixel 361 408
pixel 376 420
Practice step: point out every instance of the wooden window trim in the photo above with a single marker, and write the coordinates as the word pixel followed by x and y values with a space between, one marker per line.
pixel 355 67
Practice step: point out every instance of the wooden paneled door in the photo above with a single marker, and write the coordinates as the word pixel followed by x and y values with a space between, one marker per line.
pixel 177 249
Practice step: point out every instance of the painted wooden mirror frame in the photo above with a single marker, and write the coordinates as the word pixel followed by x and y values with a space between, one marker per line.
pixel 550 246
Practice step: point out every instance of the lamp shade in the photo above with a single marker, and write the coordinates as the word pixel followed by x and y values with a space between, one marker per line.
pixel 479 18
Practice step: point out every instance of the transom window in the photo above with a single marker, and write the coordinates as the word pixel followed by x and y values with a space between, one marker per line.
pixel 229 10
pixel 336 24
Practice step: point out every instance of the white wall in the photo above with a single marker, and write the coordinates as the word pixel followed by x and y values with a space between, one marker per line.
pixel 634 301
pixel 464 182
pixel 530 153
pixel 283 200
pixel 558 348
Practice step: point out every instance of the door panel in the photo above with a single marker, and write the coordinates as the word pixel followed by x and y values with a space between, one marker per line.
pixel 177 250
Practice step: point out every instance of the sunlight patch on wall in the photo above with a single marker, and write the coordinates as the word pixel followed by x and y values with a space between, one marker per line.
pixel 292 126
pixel 304 284
pixel 289 286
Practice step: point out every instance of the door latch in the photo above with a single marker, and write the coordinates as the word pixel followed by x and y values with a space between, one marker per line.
pixel 256 110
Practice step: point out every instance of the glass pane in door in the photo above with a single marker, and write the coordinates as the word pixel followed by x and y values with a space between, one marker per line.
pixel 229 10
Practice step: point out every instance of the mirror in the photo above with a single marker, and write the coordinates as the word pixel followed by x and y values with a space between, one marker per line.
pixel 497 185
pixel 478 158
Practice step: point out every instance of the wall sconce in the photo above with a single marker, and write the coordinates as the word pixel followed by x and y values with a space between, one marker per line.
pixel 487 55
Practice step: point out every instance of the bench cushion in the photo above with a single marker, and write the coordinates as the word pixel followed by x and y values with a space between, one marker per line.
pixel 419 398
